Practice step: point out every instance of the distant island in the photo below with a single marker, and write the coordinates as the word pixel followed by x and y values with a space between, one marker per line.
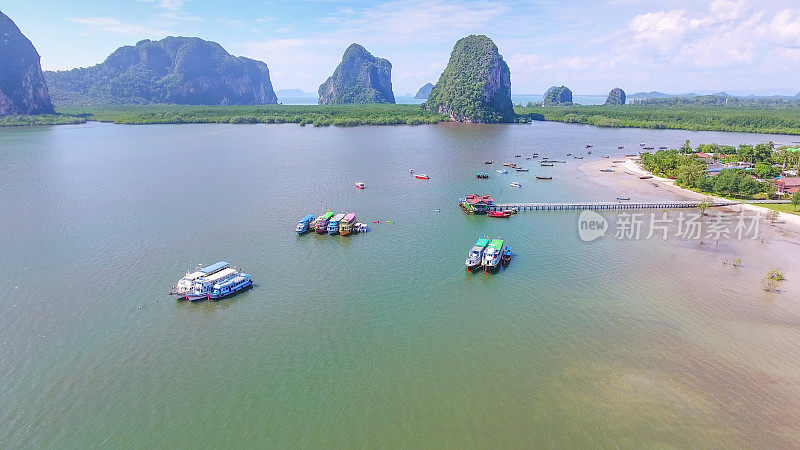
pixel 424 92
pixel 293 93
pixel 359 78
pixel 616 97
pixel 476 84
pixel 179 70
pixel 557 95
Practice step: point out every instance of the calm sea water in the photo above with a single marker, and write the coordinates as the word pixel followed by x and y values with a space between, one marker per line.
pixel 378 339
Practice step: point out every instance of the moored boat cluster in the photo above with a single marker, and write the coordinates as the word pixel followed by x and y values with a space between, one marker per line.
pixel 214 282
pixel 489 254
pixel 331 223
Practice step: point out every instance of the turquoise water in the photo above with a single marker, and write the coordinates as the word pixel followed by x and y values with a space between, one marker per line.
pixel 378 339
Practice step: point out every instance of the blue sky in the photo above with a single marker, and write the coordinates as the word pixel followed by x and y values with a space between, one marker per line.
pixel 741 46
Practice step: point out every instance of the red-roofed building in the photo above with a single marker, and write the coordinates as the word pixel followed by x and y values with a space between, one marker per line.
pixel 787 185
pixel 476 204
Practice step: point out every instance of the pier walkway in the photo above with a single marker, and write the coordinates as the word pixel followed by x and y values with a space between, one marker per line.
pixel 616 205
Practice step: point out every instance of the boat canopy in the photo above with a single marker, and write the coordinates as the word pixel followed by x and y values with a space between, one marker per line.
pixel 338 218
pixel 215 267
pixel 496 244
pixel 328 215
pixel 220 275
pixel 482 243
pixel 350 217
pixel 308 218
pixel 194 276
pixel 232 281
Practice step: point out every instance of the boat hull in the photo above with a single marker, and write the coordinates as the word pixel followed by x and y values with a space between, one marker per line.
pixel 196 297
pixel 243 287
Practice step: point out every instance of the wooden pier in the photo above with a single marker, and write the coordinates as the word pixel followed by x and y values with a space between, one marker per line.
pixel 606 205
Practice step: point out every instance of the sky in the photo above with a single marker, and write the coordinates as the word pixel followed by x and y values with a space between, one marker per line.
pixel 742 47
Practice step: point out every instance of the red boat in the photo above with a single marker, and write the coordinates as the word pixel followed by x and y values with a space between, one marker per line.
pixel 421 176
pixel 502 214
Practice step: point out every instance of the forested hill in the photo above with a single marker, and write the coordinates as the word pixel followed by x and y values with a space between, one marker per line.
pixel 178 70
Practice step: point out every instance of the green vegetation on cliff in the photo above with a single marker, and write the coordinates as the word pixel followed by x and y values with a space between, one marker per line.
pixel 777 120
pixel 177 70
pixel 557 95
pixel 317 115
pixel 359 78
pixel 476 84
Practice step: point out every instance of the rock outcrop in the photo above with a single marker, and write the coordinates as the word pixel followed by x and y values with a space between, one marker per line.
pixel 23 89
pixel 359 78
pixel 178 70
pixel 616 97
pixel 424 92
pixel 557 95
pixel 476 84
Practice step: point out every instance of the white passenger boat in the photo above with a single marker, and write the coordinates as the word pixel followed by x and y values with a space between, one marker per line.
pixel 185 284
pixel 202 287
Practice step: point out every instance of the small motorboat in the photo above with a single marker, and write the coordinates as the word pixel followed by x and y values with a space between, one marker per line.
pixel 528 157
pixel 620 147
pixel 481 175
pixel 520 169
pixel 589 146
pixel 499 214
pixel 642 144
pixel 515 184
pixel 543 178
pixel 578 157
pixel 502 171
pixel 547 164
pixel 606 170
pixel 410 170
pixel 517 156
pixel 506 258
pixel 491 161
pixel 360 185
pixel 645 177
pixel 569 154
pixel 421 176
pixel 623 198
pixel 606 156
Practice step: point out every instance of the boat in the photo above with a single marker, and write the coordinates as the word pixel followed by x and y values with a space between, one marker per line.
pixel 304 224
pixel 421 176
pixel 517 156
pixel 578 157
pixel 645 177
pixel 606 170
pixel 475 256
pixel 231 287
pixel 663 147
pixel 333 224
pixel 491 161
pixel 617 161
pixel 647 148
pixel 515 184
pixel 410 170
pixel 493 254
pixel 506 258
pixel 202 287
pixel 481 175
pixel 360 185
pixel 528 157
pixel 321 226
pixel 589 152
pixel 185 284
pixel 502 171
pixel 605 156
pixel 569 154
pixel 360 227
pixel 347 223
pixel 520 169
pixel 547 164
pixel 510 164
pixel 543 178
pixel 620 147
pixel 642 144
pixel 623 198
pixel 498 214
pixel 589 146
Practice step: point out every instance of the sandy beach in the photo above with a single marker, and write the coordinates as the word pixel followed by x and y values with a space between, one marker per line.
pixel 778 244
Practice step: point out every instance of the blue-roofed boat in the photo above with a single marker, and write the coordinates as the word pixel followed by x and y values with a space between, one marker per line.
pixel 214 268
pixel 333 224
pixel 304 224
pixel 231 287
pixel 185 284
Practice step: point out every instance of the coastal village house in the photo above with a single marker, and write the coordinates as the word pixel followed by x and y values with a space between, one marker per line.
pixel 476 204
pixel 787 185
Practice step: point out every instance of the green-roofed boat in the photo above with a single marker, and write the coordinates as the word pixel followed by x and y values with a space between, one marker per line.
pixel 475 257
pixel 322 222
pixel 493 254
